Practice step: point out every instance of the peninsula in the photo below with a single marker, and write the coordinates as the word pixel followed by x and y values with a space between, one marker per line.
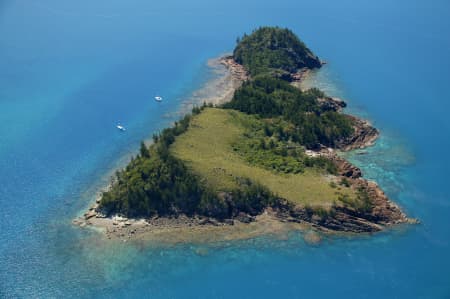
pixel 270 150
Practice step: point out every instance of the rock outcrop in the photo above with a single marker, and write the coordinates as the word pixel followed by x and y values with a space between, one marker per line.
pixel 343 218
pixel 331 103
pixel 364 135
pixel 345 168
pixel 237 71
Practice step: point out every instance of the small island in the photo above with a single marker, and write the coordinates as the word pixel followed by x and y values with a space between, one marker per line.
pixel 269 151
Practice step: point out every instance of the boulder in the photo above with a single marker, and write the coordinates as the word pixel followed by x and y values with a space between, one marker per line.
pixel 244 218
pixel 90 214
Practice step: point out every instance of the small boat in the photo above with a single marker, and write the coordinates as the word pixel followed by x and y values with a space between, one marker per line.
pixel 158 99
pixel 120 127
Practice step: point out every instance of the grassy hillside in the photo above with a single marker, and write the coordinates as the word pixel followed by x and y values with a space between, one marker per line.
pixel 155 182
pixel 208 148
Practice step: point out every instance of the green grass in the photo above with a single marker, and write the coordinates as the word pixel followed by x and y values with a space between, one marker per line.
pixel 207 149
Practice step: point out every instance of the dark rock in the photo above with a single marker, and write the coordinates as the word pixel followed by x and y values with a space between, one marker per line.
pixel 228 221
pixel 364 135
pixel 333 104
pixel 208 221
pixel 244 218
pixel 90 214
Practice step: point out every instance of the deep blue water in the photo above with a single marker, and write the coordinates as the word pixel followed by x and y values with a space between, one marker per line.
pixel 70 70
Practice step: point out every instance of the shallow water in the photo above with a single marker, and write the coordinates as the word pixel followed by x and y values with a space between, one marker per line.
pixel 69 71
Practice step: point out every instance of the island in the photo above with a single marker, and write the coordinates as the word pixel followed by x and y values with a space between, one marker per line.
pixel 269 150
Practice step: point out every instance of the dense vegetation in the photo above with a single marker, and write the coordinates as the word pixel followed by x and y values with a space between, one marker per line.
pixel 273 49
pixel 157 183
pixel 154 182
pixel 311 124
pixel 266 143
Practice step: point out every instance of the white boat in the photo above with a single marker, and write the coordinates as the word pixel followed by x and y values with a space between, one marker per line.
pixel 120 127
pixel 158 99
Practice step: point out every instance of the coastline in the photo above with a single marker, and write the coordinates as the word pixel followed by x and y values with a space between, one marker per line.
pixel 229 76
pixel 202 229
pixel 183 229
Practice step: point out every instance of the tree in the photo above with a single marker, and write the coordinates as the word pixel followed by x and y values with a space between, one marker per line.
pixel 145 153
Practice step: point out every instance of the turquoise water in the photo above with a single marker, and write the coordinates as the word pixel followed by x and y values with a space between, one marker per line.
pixel 70 70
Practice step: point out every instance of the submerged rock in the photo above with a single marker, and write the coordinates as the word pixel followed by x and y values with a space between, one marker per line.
pixel 312 237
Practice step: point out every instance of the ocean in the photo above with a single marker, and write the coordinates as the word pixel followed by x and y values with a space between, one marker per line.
pixel 71 70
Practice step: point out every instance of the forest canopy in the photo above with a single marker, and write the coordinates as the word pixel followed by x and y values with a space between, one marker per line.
pixel 273 49
pixel 314 124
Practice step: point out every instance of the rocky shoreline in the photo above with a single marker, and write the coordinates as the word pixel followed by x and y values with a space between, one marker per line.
pixel 384 212
pixel 237 71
